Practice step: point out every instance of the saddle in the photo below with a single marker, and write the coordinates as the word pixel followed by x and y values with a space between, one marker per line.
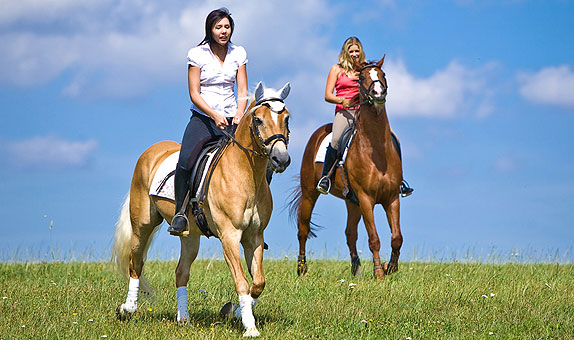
pixel 200 178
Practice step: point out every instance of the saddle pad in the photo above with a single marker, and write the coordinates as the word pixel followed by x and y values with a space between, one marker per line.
pixel 166 169
pixel 320 157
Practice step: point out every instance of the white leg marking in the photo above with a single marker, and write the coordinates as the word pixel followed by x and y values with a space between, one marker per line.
pixel 131 304
pixel 182 308
pixel 246 303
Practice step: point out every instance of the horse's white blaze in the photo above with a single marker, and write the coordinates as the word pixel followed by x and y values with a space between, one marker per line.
pixel 274 116
pixel 374 77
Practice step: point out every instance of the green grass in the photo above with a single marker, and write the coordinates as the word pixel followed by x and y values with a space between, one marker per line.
pixel 421 301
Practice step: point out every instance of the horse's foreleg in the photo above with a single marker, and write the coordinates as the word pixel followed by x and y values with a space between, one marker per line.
pixel 189 249
pixel 231 252
pixel 353 218
pixel 253 250
pixel 374 241
pixel 306 205
pixel 393 217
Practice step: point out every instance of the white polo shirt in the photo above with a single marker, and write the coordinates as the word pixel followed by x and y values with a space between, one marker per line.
pixel 217 82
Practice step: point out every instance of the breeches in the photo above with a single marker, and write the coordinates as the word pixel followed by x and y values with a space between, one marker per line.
pixel 200 130
pixel 343 120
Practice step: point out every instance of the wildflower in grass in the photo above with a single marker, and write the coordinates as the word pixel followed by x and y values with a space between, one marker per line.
pixel 490 333
pixel 74 314
pixel 75 322
pixel 91 320
pixel 104 336
pixel 4 297
pixel 341 281
pixel 492 295
pixel 352 285
pixel 150 310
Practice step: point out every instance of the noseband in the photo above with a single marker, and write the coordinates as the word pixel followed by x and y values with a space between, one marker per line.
pixel 366 92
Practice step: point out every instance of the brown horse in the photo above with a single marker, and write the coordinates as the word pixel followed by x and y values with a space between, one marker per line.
pixel 372 169
pixel 237 207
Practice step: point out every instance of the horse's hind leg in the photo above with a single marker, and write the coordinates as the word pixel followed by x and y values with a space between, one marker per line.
pixel 393 217
pixel 353 218
pixel 306 205
pixel 189 249
pixel 143 221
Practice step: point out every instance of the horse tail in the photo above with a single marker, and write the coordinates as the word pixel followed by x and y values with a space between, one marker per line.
pixel 122 247
pixel 294 205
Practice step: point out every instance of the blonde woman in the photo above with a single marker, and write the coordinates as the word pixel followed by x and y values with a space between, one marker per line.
pixel 342 89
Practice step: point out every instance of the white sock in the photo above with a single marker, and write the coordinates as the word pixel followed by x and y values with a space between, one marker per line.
pixel 182 308
pixel 132 299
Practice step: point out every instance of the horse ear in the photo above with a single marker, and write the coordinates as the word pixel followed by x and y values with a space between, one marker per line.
pixel 259 92
pixel 284 92
pixel 380 62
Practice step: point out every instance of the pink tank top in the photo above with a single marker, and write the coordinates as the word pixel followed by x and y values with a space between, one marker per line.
pixel 347 88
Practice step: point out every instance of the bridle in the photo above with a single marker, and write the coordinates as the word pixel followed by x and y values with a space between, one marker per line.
pixel 268 143
pixel 366 92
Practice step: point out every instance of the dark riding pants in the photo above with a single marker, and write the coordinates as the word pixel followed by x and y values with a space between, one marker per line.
pixel 200 130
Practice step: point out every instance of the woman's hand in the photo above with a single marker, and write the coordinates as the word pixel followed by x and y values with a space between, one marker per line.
pixel 237 118
pixel 220 120
pixel 347 103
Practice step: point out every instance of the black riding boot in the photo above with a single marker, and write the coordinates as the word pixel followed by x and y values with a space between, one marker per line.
pixel 180 223
pixel 405 189
pixel 324 185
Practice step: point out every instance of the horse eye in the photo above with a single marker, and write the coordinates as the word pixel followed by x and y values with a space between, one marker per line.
pixel 257 120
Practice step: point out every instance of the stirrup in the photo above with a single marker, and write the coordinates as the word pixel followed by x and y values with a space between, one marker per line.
pixel 324 185
pixel 177 230
pixel 406 190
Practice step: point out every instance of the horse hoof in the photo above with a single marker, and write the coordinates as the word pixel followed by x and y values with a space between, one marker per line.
pixel 355 266
pixel 122 314
pixel 301 266
pixel 251 333
pixel 389 268
pixel 228 310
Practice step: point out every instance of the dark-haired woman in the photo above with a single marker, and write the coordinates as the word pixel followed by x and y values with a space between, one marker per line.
pixel 215 67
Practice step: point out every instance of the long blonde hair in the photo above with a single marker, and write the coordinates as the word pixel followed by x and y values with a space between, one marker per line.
pixel 345 60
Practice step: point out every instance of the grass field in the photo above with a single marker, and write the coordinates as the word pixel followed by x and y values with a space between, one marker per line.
pixel 421 301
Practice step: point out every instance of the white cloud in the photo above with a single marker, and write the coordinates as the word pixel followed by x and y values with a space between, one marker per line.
pixel 51 151
pixel 124 49
pixel 506 164
pixel 550 86
pixel 453 91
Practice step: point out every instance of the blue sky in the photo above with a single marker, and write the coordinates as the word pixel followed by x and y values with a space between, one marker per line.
pixel 481 95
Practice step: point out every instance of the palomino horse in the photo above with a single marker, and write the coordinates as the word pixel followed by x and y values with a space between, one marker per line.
pixel 372 169
pixel 237 207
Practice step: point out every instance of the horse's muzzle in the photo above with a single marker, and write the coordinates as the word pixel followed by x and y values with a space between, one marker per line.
pixel 279 158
